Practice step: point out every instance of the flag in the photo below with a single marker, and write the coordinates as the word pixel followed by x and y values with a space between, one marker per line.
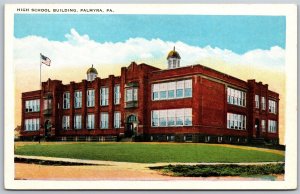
pixel 45 60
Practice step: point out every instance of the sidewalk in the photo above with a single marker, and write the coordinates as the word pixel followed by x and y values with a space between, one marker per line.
pixel 113 163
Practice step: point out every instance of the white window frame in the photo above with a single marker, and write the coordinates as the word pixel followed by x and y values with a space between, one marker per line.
pixel 90 99
pixel 117 119
pixel 131 94
pixel 78 99
pixel 236 121
pixel 104 93
pixel 117 94
pixel 263 103
pixel 272 106
pixel 66 122
pixel 77 121
pixel 162 117
pixel 272 126
pixel 90 121
pixel 32 124
pixel 66 100
pixel 236 97
pixel 104 120
pixel 256 101
pixel 161 91
pixel 32 105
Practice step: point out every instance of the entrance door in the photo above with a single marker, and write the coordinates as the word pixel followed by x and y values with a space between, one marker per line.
pixel 130 126
pixel 47 128
pixel 257 127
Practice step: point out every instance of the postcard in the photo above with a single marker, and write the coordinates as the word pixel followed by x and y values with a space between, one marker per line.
pixel 150 96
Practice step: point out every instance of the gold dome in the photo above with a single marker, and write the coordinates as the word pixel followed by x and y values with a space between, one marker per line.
pixel 92 70
pixel 173 54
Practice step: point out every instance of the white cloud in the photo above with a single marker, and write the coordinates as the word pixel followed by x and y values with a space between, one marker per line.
pixel 81 51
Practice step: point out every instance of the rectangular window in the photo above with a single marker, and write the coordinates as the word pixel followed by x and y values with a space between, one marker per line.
pixel 272 126
pixel 179 89
pixel 188 88
pixel 172 117
pixel 77 122
pixel 104 96
pixel 263 103
pixel 66 122
pixel 90 121
pixel 104 120
pixel 171 90
pixel 117 120
pixel 77 99
pixel 117 95
pixel 236 121
pixel 263 125
pixel 32 105
pixel 272 106
pixel 236 97
pixel 131 94
pixel 32 124
pixel 155 118
pixel 66 100
pixel 90 98
pixel 256 101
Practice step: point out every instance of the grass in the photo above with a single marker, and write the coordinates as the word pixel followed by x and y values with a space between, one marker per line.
pixel 148 152
pixel 221 170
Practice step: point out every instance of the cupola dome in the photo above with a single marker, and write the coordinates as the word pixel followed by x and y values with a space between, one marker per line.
pixel 91 73
pixel 173 59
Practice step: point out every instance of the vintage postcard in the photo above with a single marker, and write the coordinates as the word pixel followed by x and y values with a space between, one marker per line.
pixel 136 96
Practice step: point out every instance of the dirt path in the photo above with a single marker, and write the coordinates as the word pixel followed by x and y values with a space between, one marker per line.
pixel 46 172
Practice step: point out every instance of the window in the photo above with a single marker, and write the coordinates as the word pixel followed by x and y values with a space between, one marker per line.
pixel 104 120
pixel 90 98
pixel 171 90
pixel 66 100
pixel 90 123
pixel 188 88
pixel 263 125
pixel 272 126
pixel 272 106
pixel 263 103
pixel 179 89
pixel 66 122
pixel 32 124
pixel 32 106
pixel 78 99
pixel 117 120
pixel 117 95
pixel 155 118
pixel 256 101
pixel 131 94
pixel 236 121
pixel 77 122
pixel 236 97
pixel 172 117
pixel 47 104
pixel 104 96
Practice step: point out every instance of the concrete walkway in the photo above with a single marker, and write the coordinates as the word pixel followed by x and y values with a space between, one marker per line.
pixel 113 163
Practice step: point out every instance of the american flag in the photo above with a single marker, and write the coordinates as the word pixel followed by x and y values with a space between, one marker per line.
pixel 45 60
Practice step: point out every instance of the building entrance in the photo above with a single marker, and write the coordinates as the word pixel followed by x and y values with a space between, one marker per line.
pixel 257 128
pixel 131 126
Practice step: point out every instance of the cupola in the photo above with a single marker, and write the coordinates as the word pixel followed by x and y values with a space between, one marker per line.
pixel 91 73
pixel 173 59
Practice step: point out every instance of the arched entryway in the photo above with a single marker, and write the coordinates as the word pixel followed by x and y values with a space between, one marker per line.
pixel 257 127
pixel 131 126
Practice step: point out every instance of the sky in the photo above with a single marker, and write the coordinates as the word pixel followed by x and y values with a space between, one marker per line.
pixel 247 47
pixel 238 34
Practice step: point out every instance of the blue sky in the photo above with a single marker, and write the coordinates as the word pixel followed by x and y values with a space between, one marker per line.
pixel 236 33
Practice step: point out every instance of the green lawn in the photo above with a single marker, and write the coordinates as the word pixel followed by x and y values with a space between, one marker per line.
pixel 148 152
